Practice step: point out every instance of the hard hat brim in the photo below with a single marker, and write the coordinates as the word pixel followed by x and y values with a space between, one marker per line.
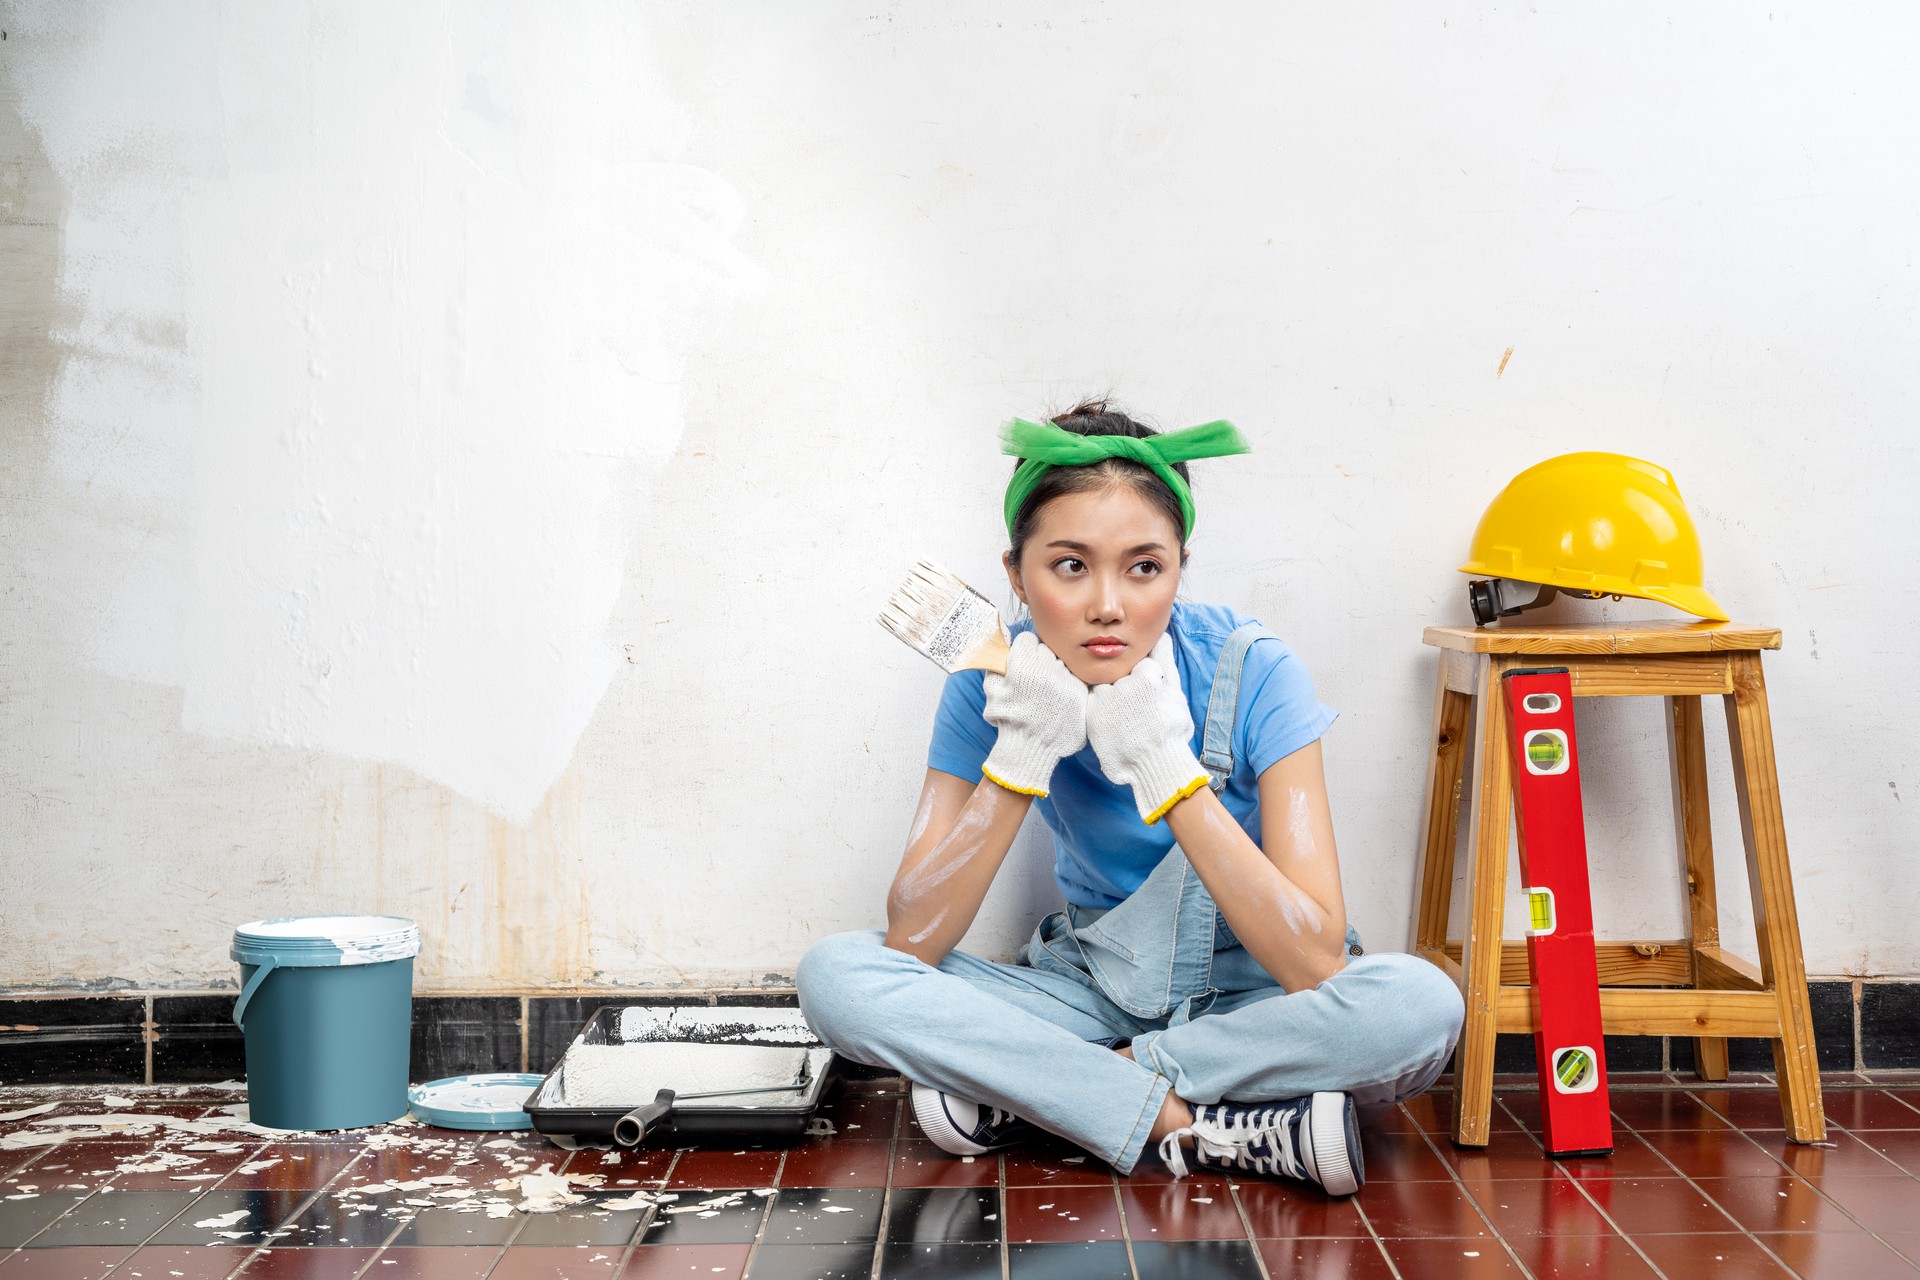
pixel 1692 600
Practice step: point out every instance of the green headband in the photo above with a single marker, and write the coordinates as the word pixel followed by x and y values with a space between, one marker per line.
pixel 1045 446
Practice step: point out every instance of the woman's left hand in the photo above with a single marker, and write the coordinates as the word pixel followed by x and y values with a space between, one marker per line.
pixel 1142 730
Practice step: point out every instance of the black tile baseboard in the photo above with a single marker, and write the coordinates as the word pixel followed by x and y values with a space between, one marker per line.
pixel 1889 1024
pixel 459 1035
pixel 1514 1053
pixel 187 1038
pixel 1858 1025
pixel 195 1041
pixel 73 1040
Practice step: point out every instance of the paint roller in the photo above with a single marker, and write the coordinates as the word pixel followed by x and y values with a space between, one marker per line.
pixel 631 1128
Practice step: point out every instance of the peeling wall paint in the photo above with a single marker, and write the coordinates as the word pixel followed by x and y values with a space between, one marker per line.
pixel 450 458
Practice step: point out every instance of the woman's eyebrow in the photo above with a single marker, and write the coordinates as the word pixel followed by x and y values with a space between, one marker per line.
pixel 1081 546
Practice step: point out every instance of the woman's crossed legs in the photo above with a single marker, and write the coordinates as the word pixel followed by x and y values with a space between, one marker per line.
pixel 1026 1039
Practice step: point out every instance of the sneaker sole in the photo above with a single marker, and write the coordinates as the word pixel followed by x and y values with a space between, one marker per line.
pixel 932 1115
pixel 1336 1143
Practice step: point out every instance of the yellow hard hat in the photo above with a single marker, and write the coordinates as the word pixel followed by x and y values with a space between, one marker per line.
pixel 1596 524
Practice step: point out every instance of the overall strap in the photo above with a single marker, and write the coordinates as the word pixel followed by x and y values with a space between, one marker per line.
pixel 1216 744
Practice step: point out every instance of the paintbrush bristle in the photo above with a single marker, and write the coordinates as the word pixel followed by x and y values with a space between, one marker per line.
pixel 942 617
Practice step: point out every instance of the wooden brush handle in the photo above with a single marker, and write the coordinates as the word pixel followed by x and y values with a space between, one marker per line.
pixel 990 656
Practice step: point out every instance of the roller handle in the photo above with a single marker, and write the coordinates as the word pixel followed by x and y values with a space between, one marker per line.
pixel 630 1128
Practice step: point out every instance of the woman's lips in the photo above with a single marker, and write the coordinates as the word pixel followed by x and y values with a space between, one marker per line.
pixel 1104 647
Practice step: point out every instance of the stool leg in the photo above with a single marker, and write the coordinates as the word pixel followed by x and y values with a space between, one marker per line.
pixel 1783 966
pixel 1686 751
pixel 1433 891
pixel 1486 898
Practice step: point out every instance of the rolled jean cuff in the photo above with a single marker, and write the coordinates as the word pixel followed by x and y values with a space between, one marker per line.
pixel 1146 1053
pixel 1130 1151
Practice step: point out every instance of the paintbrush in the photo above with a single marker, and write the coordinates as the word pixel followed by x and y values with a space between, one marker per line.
pixel 942 617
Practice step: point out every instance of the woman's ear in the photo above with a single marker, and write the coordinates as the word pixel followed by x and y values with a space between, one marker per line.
pixel 1013 575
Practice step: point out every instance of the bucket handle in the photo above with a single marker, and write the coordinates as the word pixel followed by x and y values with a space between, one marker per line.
pixel 253 984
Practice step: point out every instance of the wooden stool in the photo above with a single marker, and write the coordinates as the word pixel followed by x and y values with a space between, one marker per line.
pixel 1723 995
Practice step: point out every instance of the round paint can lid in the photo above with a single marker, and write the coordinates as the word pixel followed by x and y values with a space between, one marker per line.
pixel 495 1100
pixel 320 941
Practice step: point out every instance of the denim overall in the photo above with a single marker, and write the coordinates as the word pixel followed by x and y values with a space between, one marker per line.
pixel 1161 970
pixel 1155 954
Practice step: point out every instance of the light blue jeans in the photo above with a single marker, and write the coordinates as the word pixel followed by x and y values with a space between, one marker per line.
pixel 1206 1021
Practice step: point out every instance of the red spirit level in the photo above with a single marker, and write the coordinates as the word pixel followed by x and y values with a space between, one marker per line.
pixel 1553 868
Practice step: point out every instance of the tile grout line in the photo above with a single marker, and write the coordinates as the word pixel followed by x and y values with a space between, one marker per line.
pixel 1791 1173
pixel 32 1160
pixel 1126 1236
pixel 1776 1159
pixel 1006 1248
pixel 143 1241
pixel 1901 1101
pixel 258 1249
pixel 1246 1226
pixel 1586 1195
pixel 251 1259
pixel 244 1263
pixel 1459 1182
pixel 766 1207
pixel 1372 1233
pixel 1859 1048
pixel 886 1199
pixel 656 1212
pixel 379 1250
pixel 1688 1179
pixel 642 1220
pixel 1785 1171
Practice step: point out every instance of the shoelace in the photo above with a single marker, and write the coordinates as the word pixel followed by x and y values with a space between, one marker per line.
pixel 989 1119
pixel 1231 1141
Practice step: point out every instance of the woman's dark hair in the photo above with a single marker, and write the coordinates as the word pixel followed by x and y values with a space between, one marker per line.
pixel 1098 418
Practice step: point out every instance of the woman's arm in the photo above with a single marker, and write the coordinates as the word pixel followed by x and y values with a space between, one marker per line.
pixel 961 834
pixel 1284 904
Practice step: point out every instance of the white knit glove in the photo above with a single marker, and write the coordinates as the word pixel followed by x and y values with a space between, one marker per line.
pixel 1142 731
pixel 1040 708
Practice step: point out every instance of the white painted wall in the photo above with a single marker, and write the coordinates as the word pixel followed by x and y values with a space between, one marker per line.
pixel 453 453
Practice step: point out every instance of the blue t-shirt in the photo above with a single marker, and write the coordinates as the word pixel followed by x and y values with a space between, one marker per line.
pixel 1102 851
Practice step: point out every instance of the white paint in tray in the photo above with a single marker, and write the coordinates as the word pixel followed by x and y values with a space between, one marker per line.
pixel 716 1025
pixel 629 1075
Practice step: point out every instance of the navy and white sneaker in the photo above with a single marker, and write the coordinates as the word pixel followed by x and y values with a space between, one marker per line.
pixel 1313 1139
pixel 966 1128
pixel 970 1129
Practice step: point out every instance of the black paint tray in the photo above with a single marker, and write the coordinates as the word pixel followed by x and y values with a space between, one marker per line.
pixel 635 1073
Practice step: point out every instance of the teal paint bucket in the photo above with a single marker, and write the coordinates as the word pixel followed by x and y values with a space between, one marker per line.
pixel 326 1005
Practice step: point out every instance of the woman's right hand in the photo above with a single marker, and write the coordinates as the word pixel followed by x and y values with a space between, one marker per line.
pixel 1040 708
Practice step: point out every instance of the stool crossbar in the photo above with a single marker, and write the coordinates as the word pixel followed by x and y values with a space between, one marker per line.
pixel 1686 987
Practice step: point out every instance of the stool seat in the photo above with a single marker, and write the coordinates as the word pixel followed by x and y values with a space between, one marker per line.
pixel 1690 986
pixel 1659 636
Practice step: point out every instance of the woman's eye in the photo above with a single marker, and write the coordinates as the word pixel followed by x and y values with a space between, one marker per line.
pixel 1069 564
pixel 1151 566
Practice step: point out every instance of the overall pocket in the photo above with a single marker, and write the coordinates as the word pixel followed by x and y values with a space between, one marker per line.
pixel 1153 952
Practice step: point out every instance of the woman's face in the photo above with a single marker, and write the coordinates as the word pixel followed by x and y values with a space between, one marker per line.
pixel 1099 575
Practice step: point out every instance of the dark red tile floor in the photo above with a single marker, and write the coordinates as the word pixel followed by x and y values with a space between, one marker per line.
pixel 1702 1183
